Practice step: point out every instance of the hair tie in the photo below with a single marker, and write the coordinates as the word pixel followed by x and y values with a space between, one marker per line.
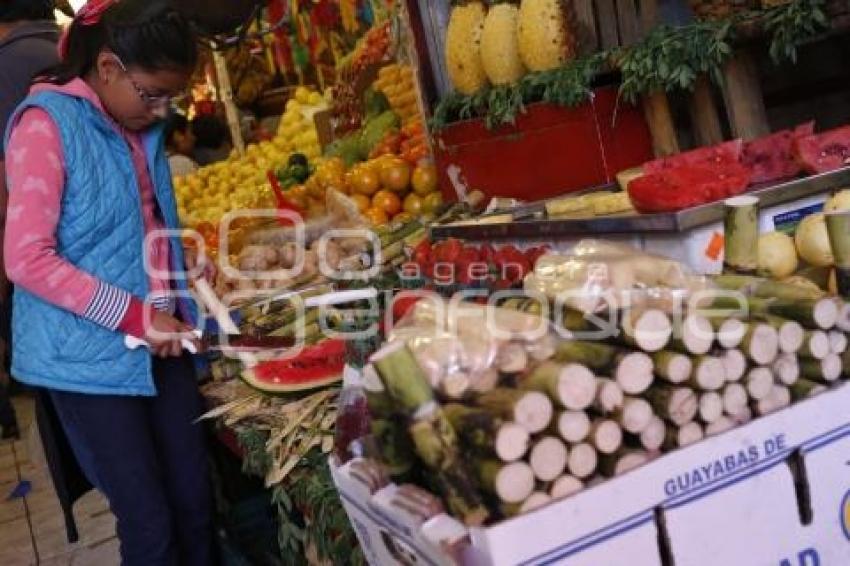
pixel 88 15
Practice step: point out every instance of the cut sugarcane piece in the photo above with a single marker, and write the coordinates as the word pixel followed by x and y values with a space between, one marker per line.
pixel 531 410
pixel 730 332
pixel 565 486
pixel 815 345
pixel 511 483
pixel 635 415
pixel 484 432
pixel 742 416
pixel 455 385
pixel 843 321
pixel 720 426
pixel 791 333
pixel 548 458
pixel 650 330
pixel 652 438
pixel 609 396
pixel 633 372
pixel 535 501
pixel 710 406
pixel 811 313
pixel 741 231
pixel 573 386
pixel 573 426
pixel 678 405
pixel 837 342
pixel 826 370
pixel 786 369
pixel 685 435
pixel 709 374
pixel 766 288
pixel 779 398
pixel 483 381
pixel 623 461
pixel 672 366
pixel 805 388
pixel 696 335
pixel 606 436
pixel 734 364
pixel 582 460
pixel 735 398
pixel 761 343
pixel 759 382
pixel 542 349
pixel 838 230
pixel 512 358
pixel 594 355
pixel 403 378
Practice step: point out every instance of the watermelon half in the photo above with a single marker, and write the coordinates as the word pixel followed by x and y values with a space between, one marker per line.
pixel 771 158
pixel 687 186
pixel 824 152
pixel 317 366
pixel 714 156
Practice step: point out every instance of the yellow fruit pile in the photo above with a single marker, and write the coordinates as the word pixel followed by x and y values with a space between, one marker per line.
pixel 396 83
pixel 297 129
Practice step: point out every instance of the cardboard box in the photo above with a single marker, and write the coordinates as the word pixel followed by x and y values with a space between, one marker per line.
pixel 773 492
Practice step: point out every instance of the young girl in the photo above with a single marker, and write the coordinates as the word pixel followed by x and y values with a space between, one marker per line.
pixel 88 182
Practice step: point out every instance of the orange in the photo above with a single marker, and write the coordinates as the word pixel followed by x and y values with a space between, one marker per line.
pixel 387 201
pixel 395 174
pixel 296 192
pixel 362 201
pixel 432 202
pixel 315 189
pixel 413 204
pixel 335 165
pixel 424 179
pixel 376 216
pixel 364 181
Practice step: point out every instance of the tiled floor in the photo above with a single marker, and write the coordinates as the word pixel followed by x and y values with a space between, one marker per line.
pixel 32 529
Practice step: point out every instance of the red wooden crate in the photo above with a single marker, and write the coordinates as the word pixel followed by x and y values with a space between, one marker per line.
pixel 551 150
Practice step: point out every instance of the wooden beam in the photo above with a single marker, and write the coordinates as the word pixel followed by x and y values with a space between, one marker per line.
pixel 607 17
pixel 584 22
pixel 704 115
pixel 630 27
pixel 656 109
pixel 744 98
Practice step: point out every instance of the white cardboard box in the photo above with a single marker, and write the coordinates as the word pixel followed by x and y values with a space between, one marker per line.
pixel 727 501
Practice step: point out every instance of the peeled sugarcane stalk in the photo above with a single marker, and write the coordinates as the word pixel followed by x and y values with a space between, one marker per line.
pixel 455 385
pixel 511 483
pixel 734 364
pixel 759 382
pixel 594 355
pixel 735 398
pixel 791 333
pixel 380 404
pixel 484 381
pixel 720 426
pixel 811 313
pixel 760 343
pixel 635 415
pixel 837 342
pixel 573 426
pixel 804 388
pixel 826 370
pixel 609 396
pixel 606 436
pixel 436 444
pixel 710 406
pixel 709 374
pixel 838 228
pixel 573 386
pixel 730 332
pixel 685 435
pixel 786 369
pixel 766 288
pixel 815 345
pixel 652 438
pixel 779 398
pixel 548 458
pixel 512 358
pixel 565 486
pixel 696 335
pixel 582 460
pixel 486 433
pixel 741 231
pixel 623 461
pixel 403 379
pixel 649 330
pixel 633 372
pixel 678 405
pixel 673 367
pixel 531 410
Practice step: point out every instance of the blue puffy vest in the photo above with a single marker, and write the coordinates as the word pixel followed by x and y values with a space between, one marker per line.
pixel 100 231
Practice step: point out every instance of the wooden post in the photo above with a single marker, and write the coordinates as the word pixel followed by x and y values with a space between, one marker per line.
pixel 704 115
pixel 607 16
pixel 225 93
pixel 656 107
pixel 744 99
pixel 585 24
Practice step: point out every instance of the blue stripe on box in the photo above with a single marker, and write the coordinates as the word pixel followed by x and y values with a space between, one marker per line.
pixel 108 306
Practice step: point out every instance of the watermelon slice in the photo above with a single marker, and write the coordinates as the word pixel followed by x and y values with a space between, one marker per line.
pixel 824 152
pixel 771 158
pixel 716 155
pixel 317 366
pixel 687 186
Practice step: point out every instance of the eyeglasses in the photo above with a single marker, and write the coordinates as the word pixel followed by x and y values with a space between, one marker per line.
pixel 151 101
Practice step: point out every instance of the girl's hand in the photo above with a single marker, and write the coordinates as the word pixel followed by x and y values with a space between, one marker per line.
pixel 164 334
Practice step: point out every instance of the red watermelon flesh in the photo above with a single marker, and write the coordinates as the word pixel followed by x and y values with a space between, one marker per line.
pixel 317 366
pixel 687 186
pixel 824 152
pixel 771 158
pixel 716 155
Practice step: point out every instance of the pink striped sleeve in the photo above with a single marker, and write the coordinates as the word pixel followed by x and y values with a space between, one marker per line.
pixel 35 175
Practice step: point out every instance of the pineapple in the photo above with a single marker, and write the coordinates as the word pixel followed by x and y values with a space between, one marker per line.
pixel 463 48
pixel 499 48
pixel 544 40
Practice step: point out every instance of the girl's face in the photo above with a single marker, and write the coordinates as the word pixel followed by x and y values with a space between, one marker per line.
pixel 137 98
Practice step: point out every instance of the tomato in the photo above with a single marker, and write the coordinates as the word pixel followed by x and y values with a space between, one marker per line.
pixel 376 216
pixel 771 158
pixel 387 201
pixel 206 229
pixel 447 251
pixel 395 174
pixel 422 252
pixel 824 152
pixel 432 202
pixel 364 181
pixel 402 305
pixel 424 179
pixel 362 201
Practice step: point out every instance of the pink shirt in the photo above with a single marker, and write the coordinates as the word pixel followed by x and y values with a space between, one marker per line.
pixel 36 179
